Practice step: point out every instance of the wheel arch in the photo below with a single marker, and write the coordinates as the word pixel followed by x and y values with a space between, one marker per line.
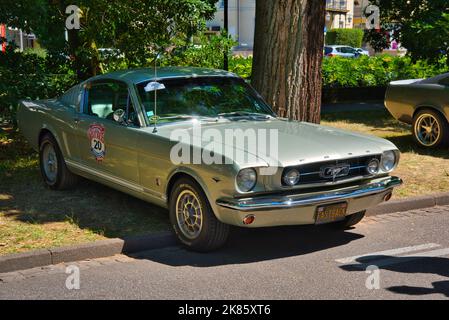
pixel 181 173
pixel 48 130
pixel 439 110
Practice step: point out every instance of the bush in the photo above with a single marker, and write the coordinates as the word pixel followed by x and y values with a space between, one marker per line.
pixel 348 37
pixel 241 66
pixel 29 76
pixel 376 71
pixel 206 52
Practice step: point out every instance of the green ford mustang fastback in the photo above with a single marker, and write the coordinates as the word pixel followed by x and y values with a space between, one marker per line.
pixel 205 145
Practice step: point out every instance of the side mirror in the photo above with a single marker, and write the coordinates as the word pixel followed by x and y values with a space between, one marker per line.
pixel 119 116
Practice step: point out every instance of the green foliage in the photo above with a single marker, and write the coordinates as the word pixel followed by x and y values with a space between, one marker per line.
pixel 420 26
pixel 349 37
pixel 205 52
pixel 241 66
pixel 29 76
pixel 139 29
pixel 376 71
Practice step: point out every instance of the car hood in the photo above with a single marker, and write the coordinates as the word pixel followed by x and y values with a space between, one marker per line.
pixel 297 142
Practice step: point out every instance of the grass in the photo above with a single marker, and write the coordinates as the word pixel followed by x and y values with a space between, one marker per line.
pixel 423 171
pixel 33 217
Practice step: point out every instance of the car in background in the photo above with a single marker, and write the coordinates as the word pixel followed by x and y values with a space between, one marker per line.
pixel 340 51
pixel 344 51
pixel 362 52
pixel 423 103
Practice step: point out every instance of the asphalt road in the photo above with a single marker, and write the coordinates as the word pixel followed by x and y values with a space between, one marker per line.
pixel 410 250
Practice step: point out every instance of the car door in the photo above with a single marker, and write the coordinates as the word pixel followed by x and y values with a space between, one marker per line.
pixel 108 147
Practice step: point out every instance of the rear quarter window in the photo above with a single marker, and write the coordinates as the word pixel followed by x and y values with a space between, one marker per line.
pixel 72 97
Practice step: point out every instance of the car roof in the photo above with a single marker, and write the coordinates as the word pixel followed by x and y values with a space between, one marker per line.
pixel 136 76
pixel 338 46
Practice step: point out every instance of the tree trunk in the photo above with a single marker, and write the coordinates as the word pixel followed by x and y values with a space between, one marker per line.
pixel 288 54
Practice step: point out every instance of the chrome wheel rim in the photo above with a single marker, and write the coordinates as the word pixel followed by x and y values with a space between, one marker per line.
pixel 427 130
pixel 189 214
pixel 50 162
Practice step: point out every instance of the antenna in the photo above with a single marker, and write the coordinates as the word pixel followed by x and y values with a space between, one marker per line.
pixel 155 95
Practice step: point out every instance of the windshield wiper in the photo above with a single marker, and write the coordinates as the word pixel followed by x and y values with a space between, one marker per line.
pixel 188 117
pixel 244 114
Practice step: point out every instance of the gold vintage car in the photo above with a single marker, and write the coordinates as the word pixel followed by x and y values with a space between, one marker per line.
pixel 119 129
pixel 423 103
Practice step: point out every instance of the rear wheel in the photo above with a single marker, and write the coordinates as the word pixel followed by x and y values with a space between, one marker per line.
pixel 54 171
pixel 430 129
pixel 193 220
pixel 351 220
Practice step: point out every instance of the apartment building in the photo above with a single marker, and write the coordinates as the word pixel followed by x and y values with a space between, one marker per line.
pixel 339 14
pixel 242 19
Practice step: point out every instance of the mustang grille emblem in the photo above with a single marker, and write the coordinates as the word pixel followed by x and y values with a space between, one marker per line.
pixel 334 172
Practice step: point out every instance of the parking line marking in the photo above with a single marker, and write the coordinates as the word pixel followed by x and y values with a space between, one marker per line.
pixel 392 252
pixel 407 258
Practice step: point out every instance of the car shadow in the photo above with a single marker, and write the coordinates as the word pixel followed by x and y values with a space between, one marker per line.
pixel 255 245
pixel 415 265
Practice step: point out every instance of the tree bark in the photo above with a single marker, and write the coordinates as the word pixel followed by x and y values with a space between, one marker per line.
pixel 288 54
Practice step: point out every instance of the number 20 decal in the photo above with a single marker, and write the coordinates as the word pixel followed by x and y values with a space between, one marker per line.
pixel 95 134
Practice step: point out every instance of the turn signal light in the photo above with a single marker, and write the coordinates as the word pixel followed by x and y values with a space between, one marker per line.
pixel 249 219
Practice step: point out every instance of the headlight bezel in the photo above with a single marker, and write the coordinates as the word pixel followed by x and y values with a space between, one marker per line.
pixel 374 160
pixel 246 172
pixel 284 177
pixel 394 160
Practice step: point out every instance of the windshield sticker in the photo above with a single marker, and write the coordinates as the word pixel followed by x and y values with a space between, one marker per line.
pixel 150 114
pixel 153 86
pixel 95 134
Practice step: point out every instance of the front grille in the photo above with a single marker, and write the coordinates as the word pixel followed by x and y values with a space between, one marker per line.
pixel 313 173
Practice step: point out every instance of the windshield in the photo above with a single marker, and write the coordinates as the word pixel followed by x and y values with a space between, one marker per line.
pixel 206 97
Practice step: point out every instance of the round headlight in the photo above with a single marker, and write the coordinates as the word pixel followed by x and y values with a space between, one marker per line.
pixel 291 178
pixel 246 179
pixel 373 166
pixel 388 161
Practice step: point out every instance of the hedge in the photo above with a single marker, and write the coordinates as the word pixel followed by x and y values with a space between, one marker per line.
pixel 348 37
pixel 34 76
pixel 30 76
pixel 364 71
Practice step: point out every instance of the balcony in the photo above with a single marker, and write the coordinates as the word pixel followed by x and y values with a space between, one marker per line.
pixel 340 6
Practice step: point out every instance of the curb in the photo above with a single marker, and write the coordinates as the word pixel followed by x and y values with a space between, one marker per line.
pixel 110 247
pixel 93 250
pixel 421 202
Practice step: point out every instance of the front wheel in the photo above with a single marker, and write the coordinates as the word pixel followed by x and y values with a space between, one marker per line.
pixel 193 220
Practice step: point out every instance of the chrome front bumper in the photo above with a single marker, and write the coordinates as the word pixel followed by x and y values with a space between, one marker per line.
pixel 312 199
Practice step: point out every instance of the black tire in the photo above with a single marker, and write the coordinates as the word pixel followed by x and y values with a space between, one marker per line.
pixel 64 179
pixel 213 234
pixel 351 220
pixel 441 123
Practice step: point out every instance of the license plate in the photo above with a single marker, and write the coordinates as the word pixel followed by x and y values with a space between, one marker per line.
pixel 331 213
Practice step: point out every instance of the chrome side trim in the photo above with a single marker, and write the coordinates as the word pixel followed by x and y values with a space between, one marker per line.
pixel 105 176
pixel 302 200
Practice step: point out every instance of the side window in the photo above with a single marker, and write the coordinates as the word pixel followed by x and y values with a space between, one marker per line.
pixel 108 98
